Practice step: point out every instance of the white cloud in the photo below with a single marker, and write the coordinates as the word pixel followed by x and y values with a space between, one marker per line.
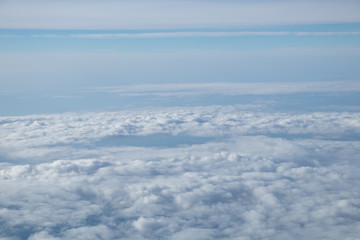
pixel 325 33
pixel 64 129
pixel 254 196
pixel 63 186
pixel 46 36
pixel 177 34
pixel 41 14
pixel 184 34
pixel 9 36
pixel 200 34
pixel 181 89
pixel 37 135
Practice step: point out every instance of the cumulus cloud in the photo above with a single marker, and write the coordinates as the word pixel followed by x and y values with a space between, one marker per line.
pixel 257 176
pixel 72 128
pixel 225 195
pixel 139 14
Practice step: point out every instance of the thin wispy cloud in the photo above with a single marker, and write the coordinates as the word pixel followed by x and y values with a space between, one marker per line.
pixel 179 34
pixel 186 34
pixel 47 36
pixel 9 36
pixel 231 88
pixel 326 33
pixel 140 14
pixel 205 34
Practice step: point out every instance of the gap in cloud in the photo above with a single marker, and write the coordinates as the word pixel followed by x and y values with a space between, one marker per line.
pixel 154 140
pixel 292 137
pixel 175 141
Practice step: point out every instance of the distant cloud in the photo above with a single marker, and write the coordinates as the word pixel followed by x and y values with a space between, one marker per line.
pixel 224 88
pixel 325 33
pixel 183 34
pixel 9 36
pixel 46 36
pixel 29 133
pixel 178 34
pixel 80 14
pixel 203 34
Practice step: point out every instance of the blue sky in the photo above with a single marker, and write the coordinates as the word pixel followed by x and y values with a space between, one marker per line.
pixel 44 54
pixel 52 48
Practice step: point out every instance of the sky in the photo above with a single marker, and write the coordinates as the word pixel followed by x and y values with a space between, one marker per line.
pixel 52 51
pixel 170 119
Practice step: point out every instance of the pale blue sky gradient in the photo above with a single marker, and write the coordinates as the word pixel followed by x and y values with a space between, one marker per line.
pixel 45 55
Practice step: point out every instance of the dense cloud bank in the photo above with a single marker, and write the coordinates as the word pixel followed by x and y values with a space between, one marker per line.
pixel 50 130
pixel 56 183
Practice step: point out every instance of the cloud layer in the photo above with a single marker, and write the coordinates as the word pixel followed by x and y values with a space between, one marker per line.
pixel 181 89
pixel 260 176
pixel 186 34
pixel 65 129
pixel 139 14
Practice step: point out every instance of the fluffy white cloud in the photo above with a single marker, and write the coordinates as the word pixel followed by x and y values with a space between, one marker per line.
pixel 72 128
pixel 237 184
pixel 226 194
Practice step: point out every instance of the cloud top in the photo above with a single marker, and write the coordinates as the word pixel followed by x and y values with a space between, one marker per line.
pixel 70 129
pixel 248 185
